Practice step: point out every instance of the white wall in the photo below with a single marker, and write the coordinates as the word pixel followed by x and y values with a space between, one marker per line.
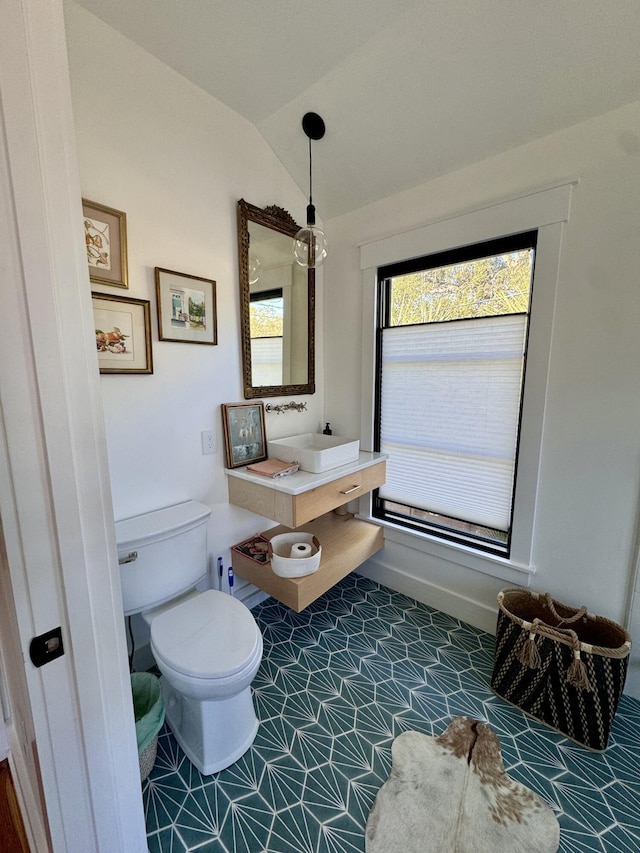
pixel 176 161
pixel 586 517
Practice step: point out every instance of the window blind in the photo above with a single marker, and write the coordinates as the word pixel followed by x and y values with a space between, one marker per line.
pixel 450 407
pixel 266 361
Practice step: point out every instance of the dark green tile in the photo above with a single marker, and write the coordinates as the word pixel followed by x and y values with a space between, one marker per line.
pixel 337 683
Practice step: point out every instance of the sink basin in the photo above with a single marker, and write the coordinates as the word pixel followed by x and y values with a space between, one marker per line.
pixel 315 452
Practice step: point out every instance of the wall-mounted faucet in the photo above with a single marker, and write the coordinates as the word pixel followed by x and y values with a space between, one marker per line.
pixel 286 407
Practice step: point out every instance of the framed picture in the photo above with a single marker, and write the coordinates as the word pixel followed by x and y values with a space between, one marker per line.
pixel 244 433
pixel 186 308
pixel 105 236
pixel 123 333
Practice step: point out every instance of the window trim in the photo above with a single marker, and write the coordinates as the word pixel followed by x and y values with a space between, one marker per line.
pixel 525 240
pixel 545 211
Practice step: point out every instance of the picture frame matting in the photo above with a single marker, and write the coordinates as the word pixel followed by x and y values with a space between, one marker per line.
pixel 186 306
pixel 123 333
pixel 105 235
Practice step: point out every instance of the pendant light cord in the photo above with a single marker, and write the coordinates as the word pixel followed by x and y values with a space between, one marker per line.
pixel 310 175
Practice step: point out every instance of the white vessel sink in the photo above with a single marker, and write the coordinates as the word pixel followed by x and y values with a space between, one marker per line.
pixel 315 452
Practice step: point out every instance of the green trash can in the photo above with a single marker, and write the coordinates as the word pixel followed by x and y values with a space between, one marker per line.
pixel 149 713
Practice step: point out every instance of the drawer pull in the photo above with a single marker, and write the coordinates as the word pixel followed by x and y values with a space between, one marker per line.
pixel 352 489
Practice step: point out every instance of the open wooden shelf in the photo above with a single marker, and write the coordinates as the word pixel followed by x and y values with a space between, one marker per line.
pixel 346 543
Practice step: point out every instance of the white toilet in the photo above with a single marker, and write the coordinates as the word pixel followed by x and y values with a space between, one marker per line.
pixel 207 645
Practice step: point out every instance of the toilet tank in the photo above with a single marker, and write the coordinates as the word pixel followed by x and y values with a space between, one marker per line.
pixel 161 554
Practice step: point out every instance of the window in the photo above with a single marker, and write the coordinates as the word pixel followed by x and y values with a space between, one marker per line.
pixel 451 355
pixel 544 211
pixel 266 330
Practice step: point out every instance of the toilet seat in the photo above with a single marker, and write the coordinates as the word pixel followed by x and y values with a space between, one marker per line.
pixel 211 636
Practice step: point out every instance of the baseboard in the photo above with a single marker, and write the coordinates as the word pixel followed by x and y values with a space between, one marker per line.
pixel 250 595
pixel 455 604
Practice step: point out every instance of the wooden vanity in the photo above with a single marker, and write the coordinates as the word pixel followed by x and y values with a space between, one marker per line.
pixel 305 502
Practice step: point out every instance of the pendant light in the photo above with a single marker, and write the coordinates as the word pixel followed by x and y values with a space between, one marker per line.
pixel 310 244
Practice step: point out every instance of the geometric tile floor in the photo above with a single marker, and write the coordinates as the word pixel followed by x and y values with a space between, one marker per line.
pixel 337 684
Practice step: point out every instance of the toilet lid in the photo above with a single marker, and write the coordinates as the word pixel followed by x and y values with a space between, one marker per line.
pixel 209 636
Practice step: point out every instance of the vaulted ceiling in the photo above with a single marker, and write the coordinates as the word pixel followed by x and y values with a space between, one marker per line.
pixel 409 89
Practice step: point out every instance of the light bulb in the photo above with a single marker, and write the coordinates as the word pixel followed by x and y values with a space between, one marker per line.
pixel 310 247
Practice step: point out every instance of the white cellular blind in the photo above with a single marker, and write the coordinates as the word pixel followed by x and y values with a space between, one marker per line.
pixel 450 406
pixel 266 361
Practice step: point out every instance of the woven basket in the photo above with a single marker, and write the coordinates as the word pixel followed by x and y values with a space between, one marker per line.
pixel 562 665
pixel 147 758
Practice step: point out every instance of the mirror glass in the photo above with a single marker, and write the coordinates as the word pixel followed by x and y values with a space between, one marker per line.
pixel 277 299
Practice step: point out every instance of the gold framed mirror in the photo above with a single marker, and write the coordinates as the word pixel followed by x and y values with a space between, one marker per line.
pixel 277 306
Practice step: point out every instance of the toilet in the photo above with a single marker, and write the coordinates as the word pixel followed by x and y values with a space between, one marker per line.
pixel 207 645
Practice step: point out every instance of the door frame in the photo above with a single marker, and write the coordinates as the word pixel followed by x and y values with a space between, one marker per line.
pixel 55 499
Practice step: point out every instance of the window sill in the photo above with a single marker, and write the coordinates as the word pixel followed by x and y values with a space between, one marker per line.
pixel 451 552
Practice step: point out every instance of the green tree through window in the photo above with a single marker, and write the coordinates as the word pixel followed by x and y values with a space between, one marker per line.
pixel 487 287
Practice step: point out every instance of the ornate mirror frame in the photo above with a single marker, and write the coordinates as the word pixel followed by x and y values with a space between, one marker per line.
pixel 279 220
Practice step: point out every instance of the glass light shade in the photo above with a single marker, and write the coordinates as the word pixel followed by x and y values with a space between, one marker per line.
pixel 254 269
pixel 310 247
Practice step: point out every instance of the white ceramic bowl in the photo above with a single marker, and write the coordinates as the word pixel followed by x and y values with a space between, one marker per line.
pixel 286 566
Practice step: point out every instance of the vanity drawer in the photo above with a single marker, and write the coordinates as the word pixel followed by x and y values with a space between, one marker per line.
pixel 317 502
pixel 294 510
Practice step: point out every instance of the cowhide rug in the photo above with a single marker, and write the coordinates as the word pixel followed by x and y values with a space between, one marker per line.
pixel 451 794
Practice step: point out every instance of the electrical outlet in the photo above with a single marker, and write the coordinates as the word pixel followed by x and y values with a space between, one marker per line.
pixel 208 439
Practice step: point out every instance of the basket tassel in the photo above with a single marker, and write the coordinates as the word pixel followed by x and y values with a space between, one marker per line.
pixel 529 654
pixel 577 673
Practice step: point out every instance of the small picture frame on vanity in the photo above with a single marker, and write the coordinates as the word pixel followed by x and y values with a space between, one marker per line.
pixel 245 436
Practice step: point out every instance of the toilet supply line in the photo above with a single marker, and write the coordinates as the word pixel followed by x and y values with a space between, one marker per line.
pixel 220 570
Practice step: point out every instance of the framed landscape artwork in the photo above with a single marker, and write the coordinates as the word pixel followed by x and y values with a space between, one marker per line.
pixel 123 333
pixel 186 308
pixel 105 237
pixel 244 433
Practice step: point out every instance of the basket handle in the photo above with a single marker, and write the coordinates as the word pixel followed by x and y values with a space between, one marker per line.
pixel 582 611
pixel 529 655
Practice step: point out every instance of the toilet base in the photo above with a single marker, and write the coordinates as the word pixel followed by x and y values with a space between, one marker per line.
pixel 215 733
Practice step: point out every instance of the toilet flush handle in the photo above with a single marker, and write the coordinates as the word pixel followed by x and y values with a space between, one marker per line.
pixel 133 555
